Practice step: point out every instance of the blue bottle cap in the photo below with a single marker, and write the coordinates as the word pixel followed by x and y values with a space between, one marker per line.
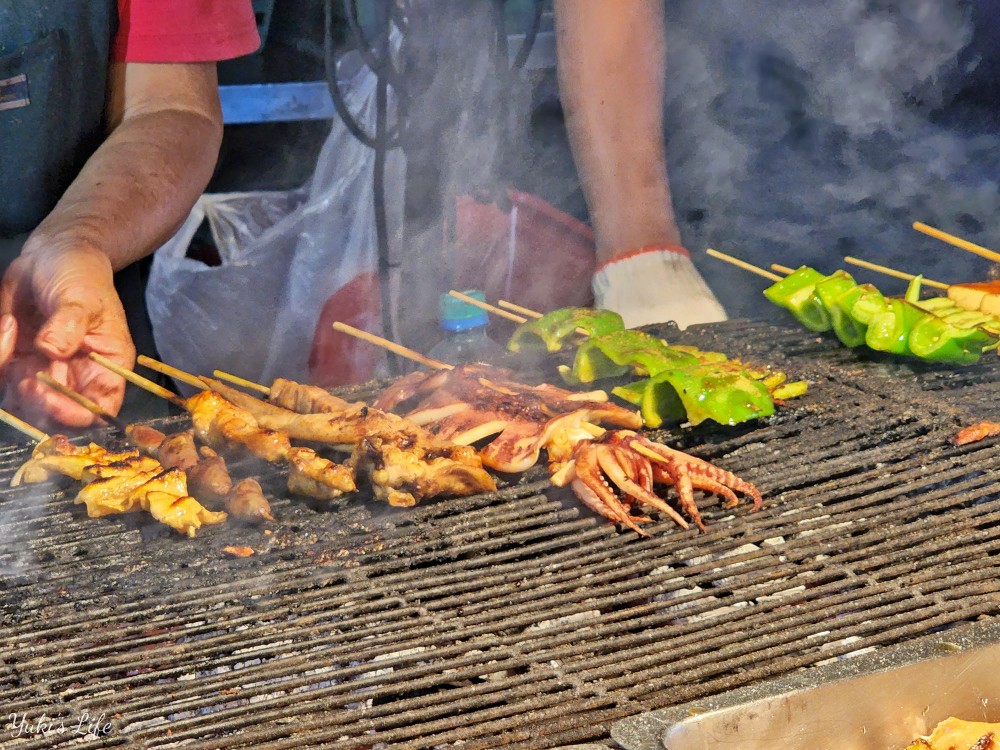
pixel 456 315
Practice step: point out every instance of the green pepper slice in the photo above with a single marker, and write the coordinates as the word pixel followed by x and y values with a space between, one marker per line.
pixel 938 340
pixel 830 290
pixel 552 330
pixel 617 353
pixel 702 393
pixel 889 330
pixel 797 294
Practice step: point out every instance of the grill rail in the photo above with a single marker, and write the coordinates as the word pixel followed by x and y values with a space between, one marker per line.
pixel 517 619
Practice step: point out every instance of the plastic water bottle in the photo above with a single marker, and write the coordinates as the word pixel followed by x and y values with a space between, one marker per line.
pixel 463 327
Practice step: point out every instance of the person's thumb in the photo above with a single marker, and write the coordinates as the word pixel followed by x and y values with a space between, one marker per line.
pixel 62 334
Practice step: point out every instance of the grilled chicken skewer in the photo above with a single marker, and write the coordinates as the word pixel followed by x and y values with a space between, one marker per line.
pixel 115 482
pixel 207 473
pixel 221 425
pixel 404 461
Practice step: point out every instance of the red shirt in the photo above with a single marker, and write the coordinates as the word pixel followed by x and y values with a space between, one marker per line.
pixel 184 31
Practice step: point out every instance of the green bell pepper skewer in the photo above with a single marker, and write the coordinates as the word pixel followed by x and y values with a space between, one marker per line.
pixel 617 353
pixel 942 340
pixel 551 331
pixel 830 290
pixel 698 394
pixel 683 382
pixel 934 330
pixel 889 330
pixel 797 294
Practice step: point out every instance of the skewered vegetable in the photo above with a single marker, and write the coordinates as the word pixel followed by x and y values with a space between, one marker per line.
pixel 554 330
pixel 928 330
pixel 683 384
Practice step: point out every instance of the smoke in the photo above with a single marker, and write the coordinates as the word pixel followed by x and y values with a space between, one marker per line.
pixel 801 132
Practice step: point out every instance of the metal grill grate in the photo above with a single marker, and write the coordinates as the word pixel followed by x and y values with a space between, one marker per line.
pixel 517 619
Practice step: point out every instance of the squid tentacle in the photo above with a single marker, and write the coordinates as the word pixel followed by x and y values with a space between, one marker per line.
pixel 613 469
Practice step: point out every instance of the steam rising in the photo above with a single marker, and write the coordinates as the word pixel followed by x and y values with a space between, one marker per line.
pixel 801 132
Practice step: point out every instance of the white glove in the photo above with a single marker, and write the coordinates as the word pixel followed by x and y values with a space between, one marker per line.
pixel 655 285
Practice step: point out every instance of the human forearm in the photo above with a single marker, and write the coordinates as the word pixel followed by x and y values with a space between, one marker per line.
pixel 136 189
pixel 611 76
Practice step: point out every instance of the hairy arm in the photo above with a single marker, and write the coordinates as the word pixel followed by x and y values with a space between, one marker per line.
pixel 611 59
pixel 135 191
pixel 58 298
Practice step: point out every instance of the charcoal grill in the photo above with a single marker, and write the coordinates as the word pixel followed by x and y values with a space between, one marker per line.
pixel 517 619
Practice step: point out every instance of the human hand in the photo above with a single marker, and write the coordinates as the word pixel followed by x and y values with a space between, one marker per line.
pixel 58 304
pixel 654 285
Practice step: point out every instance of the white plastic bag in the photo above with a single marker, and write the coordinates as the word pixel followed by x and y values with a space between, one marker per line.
pixel 283 255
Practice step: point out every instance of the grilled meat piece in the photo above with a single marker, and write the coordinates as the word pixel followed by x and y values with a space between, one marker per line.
pixel 976 432
pixel 341 429
pixel 404 470
pixel 308 399
pixel 958 734
pixel 57 455
pixel 312 475
pixel 475 402
pixel 178 451
pixel 165 497
pixel 246 500
pixel 221 424
pixel 209 478
pixel 109 489
pixel 173 451
pixel 405 462
pixel 145 438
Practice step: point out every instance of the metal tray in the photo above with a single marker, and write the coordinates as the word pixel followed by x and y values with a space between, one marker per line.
pixel 874 701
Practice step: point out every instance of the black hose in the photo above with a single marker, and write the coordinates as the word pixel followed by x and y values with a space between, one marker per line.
pixel 339 105
pixel 381 63
pixel 529 38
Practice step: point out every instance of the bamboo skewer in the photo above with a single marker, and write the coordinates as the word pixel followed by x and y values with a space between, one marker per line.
pixel 782 269
pixel 488 307
pixel 173 372
pixel 237 380
pixel 744 265
pixel 530 313
pixel 957 241
pixel 94 408
pixel 135 379
pixel 892 272
pixel 23 427
pixel 391 346
pixel 518 309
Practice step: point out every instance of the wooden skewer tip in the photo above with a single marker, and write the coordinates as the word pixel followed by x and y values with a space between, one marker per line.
pixel 518 309
pixel 488 307
pixel 170 371
pixel 138 380
pixel 391 346
pixel 78 398
pixel 237 380
pixel 743 264
pixel 23 427
pixel 891 272
pixel 958 242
